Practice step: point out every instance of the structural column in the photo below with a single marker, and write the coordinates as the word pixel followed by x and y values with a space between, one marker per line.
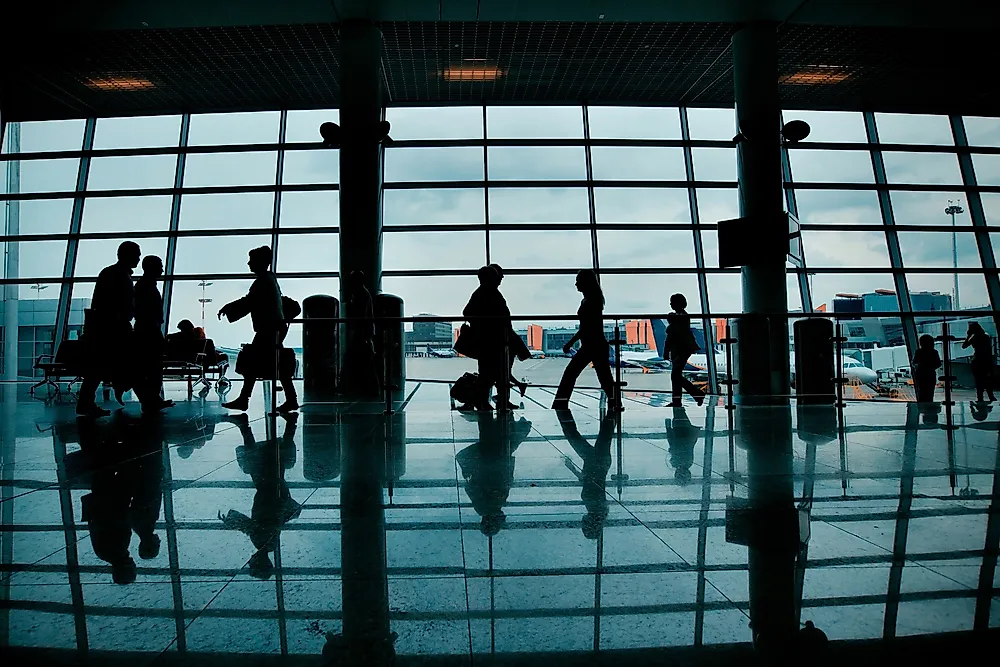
pixel 758 110
pixel 12 257
pixel 360 161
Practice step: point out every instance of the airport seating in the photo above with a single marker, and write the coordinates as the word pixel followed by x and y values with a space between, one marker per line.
pixel 196 361
pixel 67 363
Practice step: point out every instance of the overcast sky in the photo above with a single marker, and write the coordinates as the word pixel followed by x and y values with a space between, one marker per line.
pixel 637 250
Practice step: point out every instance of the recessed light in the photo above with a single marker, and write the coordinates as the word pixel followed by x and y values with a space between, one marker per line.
pixel 119 83
pixel 472 73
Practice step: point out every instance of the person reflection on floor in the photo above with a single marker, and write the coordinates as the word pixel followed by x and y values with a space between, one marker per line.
pixel 126 489
pixel 682 436
pixel 273 505
pixel 594 474
pixel 488 467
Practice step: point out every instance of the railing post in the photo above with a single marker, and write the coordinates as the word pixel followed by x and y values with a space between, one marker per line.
pixel 948 378
pixel 839 380
pixel 616 400
pixel 387 390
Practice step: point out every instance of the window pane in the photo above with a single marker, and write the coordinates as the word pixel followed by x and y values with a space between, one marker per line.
pixel 234 128
pixel 845 249
pixel 537 163
pixel 971 289
pixel 725 293
pixel 638 163
pixel 825 286
pixel 222 169
pixel 642 205
pixel 991 207
pixel 308 252
pixel 42 216
pixel 185 305
pixel 200 255
pixel 922 168
pixel 95 254
pixel 435 122
pixel 714 164
pixel 927 208
pixel 714 124
pixel 434 164
pixel 132 172
pixel 305 167
pixel 716 204
pixel 227 211
pixel 982 131
pixel 539 205
pixel 642 249
pixel 902 128
pixel 125 214
pixel 304 125
pixel 138 132
pixel 841 126
pixel 987 168
pixel 814 166
pixel 639 293
pixel 310 209
pixel 48 135
pixel 634 123
pixel 541 250
pixel 437 206
pixel 838 207
pixel 529 122
pixel 405 251
pixel 933 249
pixel 45 296
pixel 436 295
pixel 41 259
pixel 543 294
pixel 44 176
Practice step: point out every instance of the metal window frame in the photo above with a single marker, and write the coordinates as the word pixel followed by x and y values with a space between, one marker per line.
pixel 175 215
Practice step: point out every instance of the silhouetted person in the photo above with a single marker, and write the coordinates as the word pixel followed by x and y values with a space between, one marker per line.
pixel 924 367
pixel 488 467
pixel 149 341
pixel 489 320
pixel 516 350
pixel 273 505
pixel 679 346
pixel 359 369
pixel 594 346
pixel 186 330
pixel 682 436
pixel 108 329
pixel 594 474
pixel 982 359
pixel 263 304
pixel 126 489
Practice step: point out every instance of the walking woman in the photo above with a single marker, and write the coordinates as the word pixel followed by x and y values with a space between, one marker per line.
pixel 982 360
pixel 681 345
pixel 594 346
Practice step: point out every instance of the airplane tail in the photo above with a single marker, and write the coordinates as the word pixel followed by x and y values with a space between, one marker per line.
pixel 660 337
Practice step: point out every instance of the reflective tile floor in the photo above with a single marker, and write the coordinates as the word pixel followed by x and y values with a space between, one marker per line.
pixel 344 536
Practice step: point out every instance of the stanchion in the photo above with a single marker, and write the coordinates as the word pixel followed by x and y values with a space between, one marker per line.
pixel 948 378
pixel 385 372
pixel 839 380
pixel 616 400
pixel 730 382
pixel 503 388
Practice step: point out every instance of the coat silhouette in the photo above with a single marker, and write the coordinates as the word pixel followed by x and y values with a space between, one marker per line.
pixel 594 473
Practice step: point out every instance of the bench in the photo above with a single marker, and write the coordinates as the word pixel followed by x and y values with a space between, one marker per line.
pixel 196 361
pixel 66 363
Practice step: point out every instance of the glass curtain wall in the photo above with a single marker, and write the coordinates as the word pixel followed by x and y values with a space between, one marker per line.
pixel 635 192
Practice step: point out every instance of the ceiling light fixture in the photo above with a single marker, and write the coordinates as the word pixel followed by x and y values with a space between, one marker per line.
pixel 816 75
pixel 472 73
pixel 119 83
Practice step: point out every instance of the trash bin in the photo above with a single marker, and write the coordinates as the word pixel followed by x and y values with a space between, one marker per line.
pixel 814 363
pixel 751 356
pixel 320 343
pixel 391 360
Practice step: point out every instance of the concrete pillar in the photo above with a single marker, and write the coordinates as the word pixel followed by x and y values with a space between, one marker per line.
pixel 758 110
pixel 360 161
pixel 12 226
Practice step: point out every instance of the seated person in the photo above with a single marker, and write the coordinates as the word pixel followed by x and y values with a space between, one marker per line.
pixel 186 330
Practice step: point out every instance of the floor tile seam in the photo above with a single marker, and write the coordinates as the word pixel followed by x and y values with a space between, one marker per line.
pixel 461 537
pixel 86 530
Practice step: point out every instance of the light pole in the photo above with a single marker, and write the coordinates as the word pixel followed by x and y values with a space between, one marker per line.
pixel 952 210
pixel 203 284
pixel 38 287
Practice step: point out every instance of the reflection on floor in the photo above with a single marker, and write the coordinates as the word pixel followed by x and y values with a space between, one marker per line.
pixel 351 536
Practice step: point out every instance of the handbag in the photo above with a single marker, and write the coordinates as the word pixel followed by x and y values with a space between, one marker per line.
pixel 466 344
pixel 259 362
